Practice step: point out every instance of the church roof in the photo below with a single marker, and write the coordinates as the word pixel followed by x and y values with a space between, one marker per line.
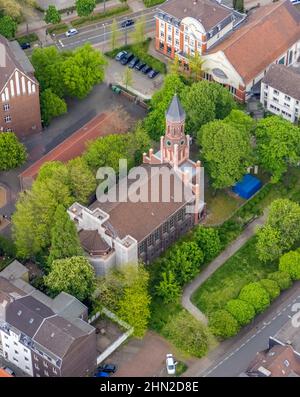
pixel 175 111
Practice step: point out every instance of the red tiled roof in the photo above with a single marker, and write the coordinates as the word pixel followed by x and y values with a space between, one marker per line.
pixel 71 147
pixel 268 33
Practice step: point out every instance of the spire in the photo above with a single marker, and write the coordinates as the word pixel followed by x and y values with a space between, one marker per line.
pixel 175 113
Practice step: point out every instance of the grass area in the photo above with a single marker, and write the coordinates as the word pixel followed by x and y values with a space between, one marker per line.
pixel 242 268
pixel 151 3
pixel 119 10
pixel 30 38
pixel 141 51
pixel 57 29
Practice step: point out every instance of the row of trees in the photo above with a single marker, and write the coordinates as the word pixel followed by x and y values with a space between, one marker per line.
pixel 67 74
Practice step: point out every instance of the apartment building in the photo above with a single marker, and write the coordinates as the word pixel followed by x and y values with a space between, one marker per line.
pixel 280 91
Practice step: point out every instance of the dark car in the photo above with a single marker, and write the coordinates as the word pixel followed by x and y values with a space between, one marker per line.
pixel 153 73
pixel 127 58
pixel 133 62
pixel 146 69
pixel 120 55
pixel 128 22
pixel 140 65
pixel 109 368
pixel 24 46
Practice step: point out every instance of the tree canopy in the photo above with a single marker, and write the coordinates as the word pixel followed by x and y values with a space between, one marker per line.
pixel 52 15
pixel 290 264
pixel 12 152
pixel 8 27
pixel 84 8
pixel 51 106
pixel 256 295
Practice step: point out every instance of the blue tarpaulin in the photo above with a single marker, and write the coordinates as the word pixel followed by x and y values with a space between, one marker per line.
pixel 247 186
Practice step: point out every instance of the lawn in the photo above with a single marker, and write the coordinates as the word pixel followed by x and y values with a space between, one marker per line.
pixel 99 16
pixel 152 3
pixel 242 268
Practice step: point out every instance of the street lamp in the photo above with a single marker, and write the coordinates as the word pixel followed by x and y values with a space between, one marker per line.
pixel 104 37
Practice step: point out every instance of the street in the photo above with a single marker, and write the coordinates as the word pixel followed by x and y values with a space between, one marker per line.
pixel 100 32
pixel 239 356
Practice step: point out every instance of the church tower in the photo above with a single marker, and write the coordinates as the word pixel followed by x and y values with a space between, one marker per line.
pixel 174 146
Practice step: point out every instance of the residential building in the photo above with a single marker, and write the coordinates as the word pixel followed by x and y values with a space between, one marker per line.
pixel 44 337
pixel 131 229
pixel 19 91
pixel 237 49
pixel 280 91
pixel 282 358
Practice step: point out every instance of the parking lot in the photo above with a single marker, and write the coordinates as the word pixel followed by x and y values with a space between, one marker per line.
pixel 140 82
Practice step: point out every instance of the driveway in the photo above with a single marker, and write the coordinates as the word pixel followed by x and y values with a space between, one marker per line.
pixel 142 357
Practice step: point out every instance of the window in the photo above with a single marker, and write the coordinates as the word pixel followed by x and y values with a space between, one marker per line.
pixel 15 343
pixel 287 105
pixel 232 90
pixel 45 364
pixel 172 222
pixel 15 359
pixel 46 373
pixel 142 247
pixel 5 336
pixel 297 102
pixel 157 234
pixel 26 366
pixel 25 351
pixel 16 352
pixel 7 119
pixel 287 98
pixel 26 358
pixel 36 367
pixel 276 92
pixel 177 42
pixel 162 34
pixel 6 345
pixel 36 357
pixel 8 130
pixel 6 107
pixel 150 240
pixel 177 32
pixel 165 227
pixel 281 61
pixel 169 28
pixel 169 38
pixel 275 99
pixel 266 86
pixel 290 57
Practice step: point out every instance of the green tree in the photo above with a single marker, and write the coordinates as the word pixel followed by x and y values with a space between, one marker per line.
pixel 82 180
pixel 175 65
pixel 283 279
pixel 290 264
pixel 52 15
pixel 271 287
pixel 51 106
pixel 114 35
pixel 278 145
pixel 139 33
pixel 240 120
pixel 207 238
pixel 227 152
pixel 64 237
pixel 242 311
pixel 223 324
pixel 84 8
pixel 139 143
pixel 135 302
pixel 187 334
pixel 256 295
pixel 184 260
pixel 168 288
pixel 268 243
pixel 82 70
pixel 196 66
pixel 199 107
pixel 238 5
pixel 8 27
pixel 127 77
pixel 72 275
pixel 155 122
pixel 11 8
pixel 12 152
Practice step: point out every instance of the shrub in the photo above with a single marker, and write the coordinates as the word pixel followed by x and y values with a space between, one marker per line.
pixel 283 279
pixel 256 295
pixel 223 324
pixel 271 287
pixel 209 241
pixel 7 247
pixel 242 311
pixel 187 334
pixel 290 263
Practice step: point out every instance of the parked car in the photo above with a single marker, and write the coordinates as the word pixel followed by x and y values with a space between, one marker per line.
pixel 128 22
pixel 120 55
pixel 109 368
pixel 71 32
pixel 127 58
pixel 153 73
pixel 24 46
pixel 133 62
pixel 146 69
pixel 170 364
pixel 9 371
pixel 140 65
pixel 101 374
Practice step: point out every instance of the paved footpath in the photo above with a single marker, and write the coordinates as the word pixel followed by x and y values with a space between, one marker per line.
pixel 214 265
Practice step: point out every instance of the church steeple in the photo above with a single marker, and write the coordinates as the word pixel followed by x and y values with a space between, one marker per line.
pixel 175 144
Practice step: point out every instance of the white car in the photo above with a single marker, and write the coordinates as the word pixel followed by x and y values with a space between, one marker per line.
pixel 170 364
pixel 71 32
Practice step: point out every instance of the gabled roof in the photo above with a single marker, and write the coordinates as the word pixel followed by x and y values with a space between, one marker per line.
pixel 285 79
pixel 92 242
pixel 266 35
pixel 175 113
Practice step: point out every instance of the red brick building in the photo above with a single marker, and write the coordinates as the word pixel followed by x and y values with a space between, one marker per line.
pixel 237 49
pixel 19 91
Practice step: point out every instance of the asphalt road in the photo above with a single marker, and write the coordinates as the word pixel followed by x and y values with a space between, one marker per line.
pixel 237 359
pixel 101 32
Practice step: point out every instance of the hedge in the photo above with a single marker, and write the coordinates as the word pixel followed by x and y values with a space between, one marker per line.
pixel 290 263
pixel 283 279
pixel 99 16
pixel 242 311
pixel 223 324
pixel 256 295
pixel 271 287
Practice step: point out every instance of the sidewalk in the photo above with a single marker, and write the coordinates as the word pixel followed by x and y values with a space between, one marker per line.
pixel 214 265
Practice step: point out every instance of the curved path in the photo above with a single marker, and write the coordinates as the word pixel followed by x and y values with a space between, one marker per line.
pixel 214 265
